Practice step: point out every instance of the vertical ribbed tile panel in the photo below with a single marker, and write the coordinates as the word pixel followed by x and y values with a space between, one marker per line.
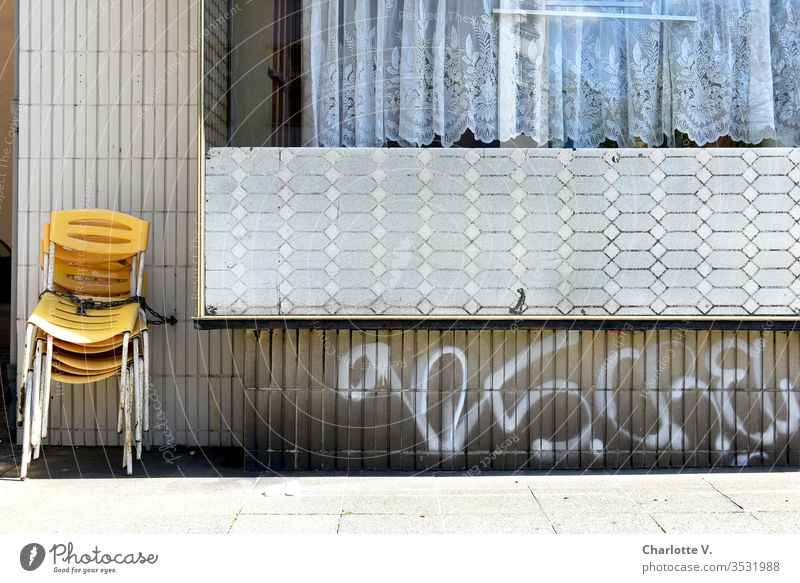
pixel 482 400
pixel 7 124
pixel 108 118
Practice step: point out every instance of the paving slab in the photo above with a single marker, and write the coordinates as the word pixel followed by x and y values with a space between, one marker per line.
pixel 664 500
pixel 605 523
pixel 390 524
pixel 296 504
pixel 780 522
pixel 482 504
pixel 580 502
pixel 743 481
pixel 282 524
pixel 783 500
pixel 394 504
pixel 712 523
pixel 526 523
pixel 94 523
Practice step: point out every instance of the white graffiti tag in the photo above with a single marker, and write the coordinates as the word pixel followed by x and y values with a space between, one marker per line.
pixel 777 409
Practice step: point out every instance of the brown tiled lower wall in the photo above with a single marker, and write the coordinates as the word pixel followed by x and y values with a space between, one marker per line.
pixel 475 401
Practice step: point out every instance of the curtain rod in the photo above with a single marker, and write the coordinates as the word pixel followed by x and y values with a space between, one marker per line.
pixel 569 13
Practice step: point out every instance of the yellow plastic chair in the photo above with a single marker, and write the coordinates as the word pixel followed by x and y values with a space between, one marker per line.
pixel 80 272
pixel 105 345
pixel 92 255
pixel 105 280
pixel 71 274
pixel 111 281
pixel 71 379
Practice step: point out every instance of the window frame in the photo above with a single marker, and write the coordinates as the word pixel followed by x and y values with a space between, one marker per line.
pixel 204 320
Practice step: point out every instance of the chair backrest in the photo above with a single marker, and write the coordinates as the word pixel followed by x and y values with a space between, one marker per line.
pixel 94 252
pixel 109 281
pixel 99 233
pixel 44 244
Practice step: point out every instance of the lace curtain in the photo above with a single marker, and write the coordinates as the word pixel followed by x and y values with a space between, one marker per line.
pixel 413 71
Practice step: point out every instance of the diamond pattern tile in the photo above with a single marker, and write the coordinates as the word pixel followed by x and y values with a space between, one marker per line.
pixel 458 234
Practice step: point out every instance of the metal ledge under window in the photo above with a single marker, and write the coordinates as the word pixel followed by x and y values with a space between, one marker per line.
pixel 379 323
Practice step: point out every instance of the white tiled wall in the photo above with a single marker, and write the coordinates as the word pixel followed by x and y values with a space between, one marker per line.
pixel 108 118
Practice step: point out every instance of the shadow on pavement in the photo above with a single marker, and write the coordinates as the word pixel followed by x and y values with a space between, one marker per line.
pixel 66 463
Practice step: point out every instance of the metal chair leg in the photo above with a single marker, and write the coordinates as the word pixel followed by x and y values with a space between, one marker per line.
pixel 128 430
pixel 29 330
pixel 143 386
pixel 146 373
pixel 26 431
pixel 36 395
pixel 48 379
pixel 40 414
pixel 122 379
pixel 137 399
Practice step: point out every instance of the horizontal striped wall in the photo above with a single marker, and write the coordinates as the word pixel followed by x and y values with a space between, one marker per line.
pixel 108 118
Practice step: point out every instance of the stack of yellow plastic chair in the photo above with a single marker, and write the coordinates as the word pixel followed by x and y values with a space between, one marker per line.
pixel 89 324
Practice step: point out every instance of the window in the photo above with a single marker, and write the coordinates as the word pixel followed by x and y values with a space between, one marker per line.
pixel 534 73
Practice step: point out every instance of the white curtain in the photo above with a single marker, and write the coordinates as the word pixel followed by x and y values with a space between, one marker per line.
pixel 413 71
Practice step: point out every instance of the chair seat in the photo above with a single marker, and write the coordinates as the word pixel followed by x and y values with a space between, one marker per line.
pixel 103 346
pixel 70 362
pixel 58 317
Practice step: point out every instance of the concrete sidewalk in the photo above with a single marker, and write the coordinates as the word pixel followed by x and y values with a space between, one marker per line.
pixel 82 491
